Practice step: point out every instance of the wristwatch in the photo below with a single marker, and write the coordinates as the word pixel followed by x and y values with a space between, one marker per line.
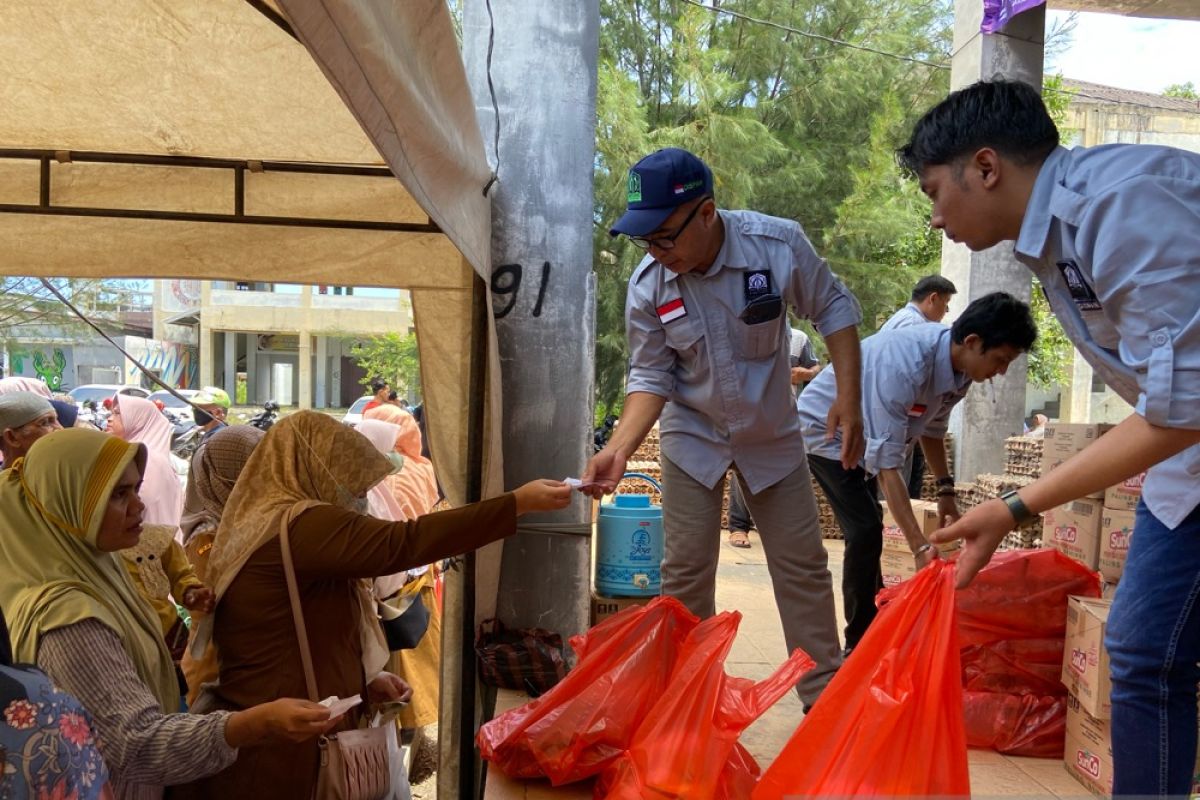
pixel 1017 508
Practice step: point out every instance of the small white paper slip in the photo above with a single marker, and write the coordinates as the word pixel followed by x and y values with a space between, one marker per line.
pixel 577 483
pixel 338 707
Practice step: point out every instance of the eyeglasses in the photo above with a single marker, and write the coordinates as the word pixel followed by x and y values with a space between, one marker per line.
pixel 667 242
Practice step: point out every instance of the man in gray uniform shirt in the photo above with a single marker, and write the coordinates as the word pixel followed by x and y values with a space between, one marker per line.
pixel 708 339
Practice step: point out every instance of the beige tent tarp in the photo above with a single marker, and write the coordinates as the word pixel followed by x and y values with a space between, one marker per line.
pixel 177 82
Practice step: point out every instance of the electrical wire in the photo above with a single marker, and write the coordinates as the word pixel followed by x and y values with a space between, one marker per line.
pixel 492 92
pixel 811 35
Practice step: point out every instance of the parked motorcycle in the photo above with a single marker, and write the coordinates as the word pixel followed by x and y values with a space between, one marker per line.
pixel 94 414
pixel 264 419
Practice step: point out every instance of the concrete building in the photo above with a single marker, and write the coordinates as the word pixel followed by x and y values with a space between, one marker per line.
pixel 291 343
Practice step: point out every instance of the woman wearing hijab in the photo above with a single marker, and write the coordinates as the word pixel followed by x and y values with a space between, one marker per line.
pixel 136 419
pixel 309 478
pixel 19 384
pixel 215 469
pixel 397 499
pixel 65 509
pixel 414 485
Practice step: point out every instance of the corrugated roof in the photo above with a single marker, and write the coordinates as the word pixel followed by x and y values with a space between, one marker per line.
pixel 1095 92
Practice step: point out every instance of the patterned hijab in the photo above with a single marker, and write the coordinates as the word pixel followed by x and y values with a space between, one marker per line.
pixel 215 469
pixel 415 485
pixel 145 424
pixel 306 459
pixel 52 503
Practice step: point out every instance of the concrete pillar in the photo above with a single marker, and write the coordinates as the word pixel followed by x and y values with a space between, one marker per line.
pixel 252 369
pixel 230 374
pixel 305 370
pixel 1076 403
pixel 989 415
pixel 543 68
pixel 208 355
pixel 322 372
pixel 544 72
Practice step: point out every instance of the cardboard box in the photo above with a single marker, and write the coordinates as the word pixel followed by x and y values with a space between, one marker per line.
pixel 1087 753
pixel 1116 531
pixel 1085 661
pixel 604 607
pixel 926 513
pixel 1125 495
pixel 897 567
pixel 1074 530
pixel 1065 439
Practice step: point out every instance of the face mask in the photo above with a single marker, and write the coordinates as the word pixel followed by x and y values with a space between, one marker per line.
pixel 202 417
pixel 359 505
pixel 397 460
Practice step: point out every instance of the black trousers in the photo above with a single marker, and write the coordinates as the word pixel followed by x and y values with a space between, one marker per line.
pixel 916 478
pixel 855 500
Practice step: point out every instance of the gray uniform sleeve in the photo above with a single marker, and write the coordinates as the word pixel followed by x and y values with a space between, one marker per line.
pixel 140 744
pixel 887 398
pixel 651 360
pixel 1148 283
pixel 815 293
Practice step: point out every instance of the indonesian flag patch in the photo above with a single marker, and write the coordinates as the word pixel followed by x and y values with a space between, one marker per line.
pixel 918 410
pixel 671 310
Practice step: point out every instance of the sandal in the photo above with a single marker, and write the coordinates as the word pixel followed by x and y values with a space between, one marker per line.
pixel 739 539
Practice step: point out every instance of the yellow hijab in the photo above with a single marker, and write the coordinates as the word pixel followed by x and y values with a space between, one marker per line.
pixel 51 505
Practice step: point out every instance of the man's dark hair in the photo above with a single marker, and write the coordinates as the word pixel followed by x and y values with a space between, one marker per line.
pixel 1007 116
pixel 998 319
pixel 378 384
pixel 932 284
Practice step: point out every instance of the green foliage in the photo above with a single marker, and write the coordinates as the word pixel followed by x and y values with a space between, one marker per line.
pixel 1050 358
pixel 393 357
pixel 791 125
pixel 28 309
pixel 1185 90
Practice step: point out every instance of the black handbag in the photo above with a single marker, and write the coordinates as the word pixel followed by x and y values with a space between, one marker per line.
pixel 527 659
pixel 404 619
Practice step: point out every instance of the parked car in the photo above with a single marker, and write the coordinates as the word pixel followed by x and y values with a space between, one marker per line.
pixel 354 414
pixel 99 392
pixel 171 401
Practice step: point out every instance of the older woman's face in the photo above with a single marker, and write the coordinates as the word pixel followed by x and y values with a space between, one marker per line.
pixel 122 523
pixel 115 424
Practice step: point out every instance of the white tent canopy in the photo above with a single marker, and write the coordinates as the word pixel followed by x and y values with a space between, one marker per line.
pixel 156 138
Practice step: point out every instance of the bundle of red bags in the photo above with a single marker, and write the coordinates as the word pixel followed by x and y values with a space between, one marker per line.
pixel 1011 623
pixel 890 722
pixel 648 705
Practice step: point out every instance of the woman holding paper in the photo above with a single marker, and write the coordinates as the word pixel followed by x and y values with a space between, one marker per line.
pixel 308 479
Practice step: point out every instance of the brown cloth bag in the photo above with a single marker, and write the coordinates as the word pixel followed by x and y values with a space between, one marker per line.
pixel 526 659
pixel 354 764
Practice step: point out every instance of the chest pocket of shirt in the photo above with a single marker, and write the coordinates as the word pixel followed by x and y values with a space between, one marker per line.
pixel 755 342
pixel 683 334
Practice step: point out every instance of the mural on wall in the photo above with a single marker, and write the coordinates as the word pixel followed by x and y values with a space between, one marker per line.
pixel 46 363
pixel 180 295
pixel 174 362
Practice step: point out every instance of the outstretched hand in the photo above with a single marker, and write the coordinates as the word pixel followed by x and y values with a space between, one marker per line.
pixel 981 529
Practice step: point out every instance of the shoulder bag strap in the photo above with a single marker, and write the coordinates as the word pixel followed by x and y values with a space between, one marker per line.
pixel 289 572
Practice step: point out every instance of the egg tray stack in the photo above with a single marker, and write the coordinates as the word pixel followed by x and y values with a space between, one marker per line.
pixel 636 486
pixel 987 487
pixel 929 483
pixel 1023 456
pixel 649 449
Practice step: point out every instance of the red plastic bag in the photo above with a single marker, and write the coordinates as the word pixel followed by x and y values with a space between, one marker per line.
pixel 1011 621
pixel 891 721
pixel 588 720
pixel 686 748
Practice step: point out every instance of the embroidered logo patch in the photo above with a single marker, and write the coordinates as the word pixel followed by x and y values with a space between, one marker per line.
pixel 671 310
pixel 758 283
pixel 634 188
pixel 1083 295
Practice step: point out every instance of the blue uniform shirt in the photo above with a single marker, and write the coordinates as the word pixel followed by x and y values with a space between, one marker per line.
pixel 727 383
pixel 909 315
pixel 908 389
pixel 1113 234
